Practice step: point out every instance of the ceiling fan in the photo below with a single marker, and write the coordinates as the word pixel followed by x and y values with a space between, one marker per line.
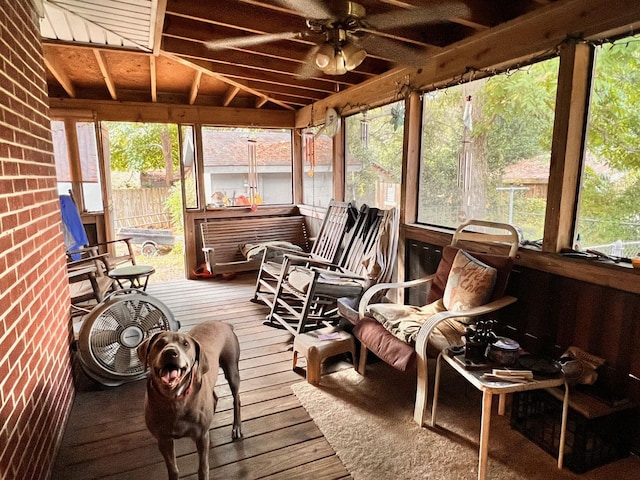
pixel 348 33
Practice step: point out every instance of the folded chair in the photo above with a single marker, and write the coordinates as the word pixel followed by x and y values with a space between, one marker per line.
pixel 307 290
pixel 76 241
pixel 470 281
pixel 340 216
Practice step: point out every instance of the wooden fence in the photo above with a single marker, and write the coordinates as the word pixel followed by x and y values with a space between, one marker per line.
pixel 141 207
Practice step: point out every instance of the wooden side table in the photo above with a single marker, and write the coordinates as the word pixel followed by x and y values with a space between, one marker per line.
pixel 489 388
pixel 134 274
pixel 320 344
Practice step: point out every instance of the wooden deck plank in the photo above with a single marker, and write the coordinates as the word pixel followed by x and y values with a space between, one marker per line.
pixel 106 436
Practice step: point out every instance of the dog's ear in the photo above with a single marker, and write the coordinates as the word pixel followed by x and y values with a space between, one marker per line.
pixel 201 358
pixel 143 350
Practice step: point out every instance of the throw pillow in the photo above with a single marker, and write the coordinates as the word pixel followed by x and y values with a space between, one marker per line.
pixel 470 283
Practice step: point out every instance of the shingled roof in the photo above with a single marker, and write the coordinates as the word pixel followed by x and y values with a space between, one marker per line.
pixel 273 147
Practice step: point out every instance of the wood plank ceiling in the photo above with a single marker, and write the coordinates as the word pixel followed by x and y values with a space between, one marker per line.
pixel 155 51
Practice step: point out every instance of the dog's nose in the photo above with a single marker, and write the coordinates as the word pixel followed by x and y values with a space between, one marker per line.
pixel 170 353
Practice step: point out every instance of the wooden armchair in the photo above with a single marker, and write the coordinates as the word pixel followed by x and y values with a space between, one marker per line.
pixel 404 335
pixel 307 290
pixel 88 281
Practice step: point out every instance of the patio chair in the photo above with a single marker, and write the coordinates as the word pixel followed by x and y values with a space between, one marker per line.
pixel 77 242
pixel 308 289
pixel 88 281
pixel 470 282
pixel 340 216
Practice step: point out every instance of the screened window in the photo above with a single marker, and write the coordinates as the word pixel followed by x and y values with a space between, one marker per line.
pixel 374 155
pixel 609 207
pixel 486 150
pixel 61 157
pixel 90 181
pixel 246 166
pixel 317 174
pixel 189 167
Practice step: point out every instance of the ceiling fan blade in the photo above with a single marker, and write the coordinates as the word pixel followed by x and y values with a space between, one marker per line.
pixel 315 9
pixel 308 68
pixel 395 52
pixel 418 16
pixel 250 40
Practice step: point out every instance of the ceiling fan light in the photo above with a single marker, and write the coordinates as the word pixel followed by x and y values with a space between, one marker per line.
pixel 336 66
pixel 324 56
pixel 352 55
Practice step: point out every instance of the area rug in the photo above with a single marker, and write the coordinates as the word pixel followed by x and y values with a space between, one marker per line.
pixel 369 423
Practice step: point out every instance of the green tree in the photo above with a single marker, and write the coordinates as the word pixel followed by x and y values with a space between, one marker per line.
pixel 378 156
pixel 463 161
pixel 610 195
pixel 143 147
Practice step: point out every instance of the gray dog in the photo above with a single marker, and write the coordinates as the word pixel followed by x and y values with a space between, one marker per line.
pixel 180 399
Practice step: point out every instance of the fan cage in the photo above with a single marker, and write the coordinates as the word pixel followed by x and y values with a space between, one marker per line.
pixel 111 333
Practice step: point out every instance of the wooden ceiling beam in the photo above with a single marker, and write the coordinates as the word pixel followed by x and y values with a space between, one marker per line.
pixel 291 101
pixel 230 94
pixel 153 73
pixel 238 16
pixel 286 90
pixel 248 76
pixel 58 72
pixel 64 44
pixel 247 60
pixel 227 61
pixel 105 74
pixel 110 110
pixel 195 86
pixel 222 78
pixel 158 25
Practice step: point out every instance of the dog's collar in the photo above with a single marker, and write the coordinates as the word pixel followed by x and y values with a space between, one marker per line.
pixel 187 391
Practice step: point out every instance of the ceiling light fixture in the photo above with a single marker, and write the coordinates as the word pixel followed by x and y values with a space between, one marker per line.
pixel 338 55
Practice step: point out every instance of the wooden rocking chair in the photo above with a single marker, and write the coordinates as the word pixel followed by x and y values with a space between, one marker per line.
pixel 308 289
pixel 326 247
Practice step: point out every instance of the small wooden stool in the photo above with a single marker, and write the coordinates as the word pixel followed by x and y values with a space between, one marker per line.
pixel 316 348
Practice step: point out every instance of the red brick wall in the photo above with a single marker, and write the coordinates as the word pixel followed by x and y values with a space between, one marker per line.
pixel 36 387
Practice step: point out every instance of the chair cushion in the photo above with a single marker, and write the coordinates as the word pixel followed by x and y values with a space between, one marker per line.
pixel 384 345
pixel 404 322
pixel 470 283
pixel 300 279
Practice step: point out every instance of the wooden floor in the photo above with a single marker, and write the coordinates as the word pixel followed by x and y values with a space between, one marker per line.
pixel 106 436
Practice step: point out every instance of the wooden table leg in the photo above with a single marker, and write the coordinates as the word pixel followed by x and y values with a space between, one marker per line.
pixel 563 425
pixel 487 398
pixel 502 403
